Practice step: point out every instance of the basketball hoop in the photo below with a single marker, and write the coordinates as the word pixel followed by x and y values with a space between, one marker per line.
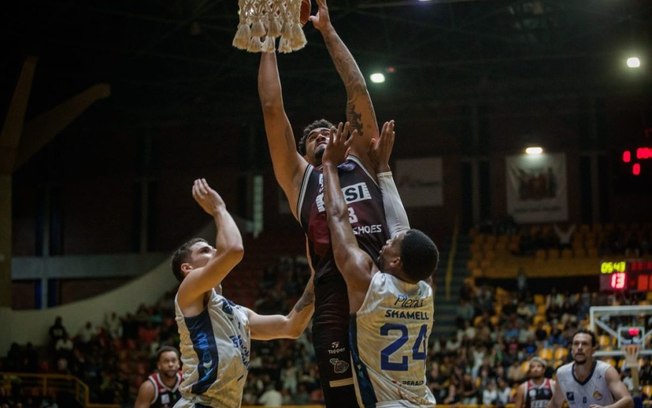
pixel 263 21
pixel 631 355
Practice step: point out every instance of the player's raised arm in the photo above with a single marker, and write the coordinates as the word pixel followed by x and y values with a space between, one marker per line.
pixel 359 108
pixel 209 265
pixel 288 165
pixel 354 264
pixel 379 153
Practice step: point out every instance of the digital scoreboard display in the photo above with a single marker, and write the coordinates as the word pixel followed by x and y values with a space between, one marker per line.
pixel 632 275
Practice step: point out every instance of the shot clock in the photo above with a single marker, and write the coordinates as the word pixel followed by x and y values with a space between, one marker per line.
pixel 631 275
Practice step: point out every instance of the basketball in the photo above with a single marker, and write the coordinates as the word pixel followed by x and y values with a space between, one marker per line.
pixel 305 12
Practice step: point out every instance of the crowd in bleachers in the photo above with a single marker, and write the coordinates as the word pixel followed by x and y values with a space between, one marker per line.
pixel 501 249
pixel 630 240
pixel 498 332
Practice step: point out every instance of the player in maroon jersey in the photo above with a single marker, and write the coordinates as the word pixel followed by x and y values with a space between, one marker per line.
pixel 537 390
pixel 161 389
pixel 299 175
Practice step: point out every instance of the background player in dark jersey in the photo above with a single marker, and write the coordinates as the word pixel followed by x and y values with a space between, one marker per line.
pixel 161 389
pixel 302 184
pixel 537 390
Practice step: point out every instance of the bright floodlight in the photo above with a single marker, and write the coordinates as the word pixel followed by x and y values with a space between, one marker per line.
pixel 534 150
pixel 633 62
pixel 377 78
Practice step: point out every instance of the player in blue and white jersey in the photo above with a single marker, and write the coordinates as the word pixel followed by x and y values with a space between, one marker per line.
pixel 215 333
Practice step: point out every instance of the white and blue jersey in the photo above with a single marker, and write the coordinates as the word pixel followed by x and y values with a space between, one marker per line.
pixel 215 347
pixel 581 394
pixel 389 339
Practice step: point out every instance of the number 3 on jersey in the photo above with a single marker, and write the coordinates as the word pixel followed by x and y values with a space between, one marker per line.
pixel 352 217
pixel 418 348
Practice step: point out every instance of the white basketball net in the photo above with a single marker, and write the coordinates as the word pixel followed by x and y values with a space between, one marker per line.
pixel 262 21
pixel 631 354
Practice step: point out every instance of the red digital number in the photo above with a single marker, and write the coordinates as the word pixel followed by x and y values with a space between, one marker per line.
pixel 618 281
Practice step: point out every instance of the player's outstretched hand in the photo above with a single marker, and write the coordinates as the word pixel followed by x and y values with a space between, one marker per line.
pixel 206 197
pixel 339 144
pixel 321 20
pixel 380 149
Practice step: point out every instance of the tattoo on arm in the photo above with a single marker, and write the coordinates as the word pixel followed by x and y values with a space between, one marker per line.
pixel 306 300
pixel 354 118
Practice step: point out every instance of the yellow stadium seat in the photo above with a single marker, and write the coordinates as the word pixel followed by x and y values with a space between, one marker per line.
pixel 579 252
pixel 566 253
pixel 539 299
pixel 553 253
pixel 485 263
pixel 647 391
pixel 545 353
pixel 560 353
pixel 541 309
pixel 494 320
pixel 604 341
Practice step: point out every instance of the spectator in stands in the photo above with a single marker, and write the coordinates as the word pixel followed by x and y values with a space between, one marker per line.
pixel 504 392
pixel 289 376
pixel 271 397
pixel 437 381
pixel 465 313
pixel 14 359
pixel 30 358
pixel 467 390
pixel 113 325
pixel 161 389
pixel 521 282
pixel 490 393
pixel 564 235
pixel 64 347
pixel 56 331
pixel 86 334
pixel 302 397
pixel 216 333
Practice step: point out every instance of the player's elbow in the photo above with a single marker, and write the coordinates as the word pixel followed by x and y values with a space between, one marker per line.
pixel 234 254
pixel 293 331
pixel 628 402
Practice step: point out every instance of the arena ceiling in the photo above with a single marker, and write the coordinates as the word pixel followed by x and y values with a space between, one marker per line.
pixel 172 60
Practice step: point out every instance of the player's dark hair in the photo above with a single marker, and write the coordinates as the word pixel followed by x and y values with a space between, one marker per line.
pixel 594 340
pixel 321 123
pixel 165 349
pixel 182 255
pixel 419 255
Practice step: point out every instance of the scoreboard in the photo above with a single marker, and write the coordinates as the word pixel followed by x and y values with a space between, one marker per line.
pixel 630 275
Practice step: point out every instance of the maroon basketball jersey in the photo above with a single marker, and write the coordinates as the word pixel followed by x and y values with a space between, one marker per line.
pixel 366 211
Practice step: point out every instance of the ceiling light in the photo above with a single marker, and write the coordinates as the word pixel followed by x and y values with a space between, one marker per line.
pixel 533 150
pixel 377 78
pixel 633 62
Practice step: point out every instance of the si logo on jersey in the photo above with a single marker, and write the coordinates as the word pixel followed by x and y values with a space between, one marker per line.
pixel 570 396
pixel 352 194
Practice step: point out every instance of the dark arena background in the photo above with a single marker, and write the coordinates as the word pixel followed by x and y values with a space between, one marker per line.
pixel 112 108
